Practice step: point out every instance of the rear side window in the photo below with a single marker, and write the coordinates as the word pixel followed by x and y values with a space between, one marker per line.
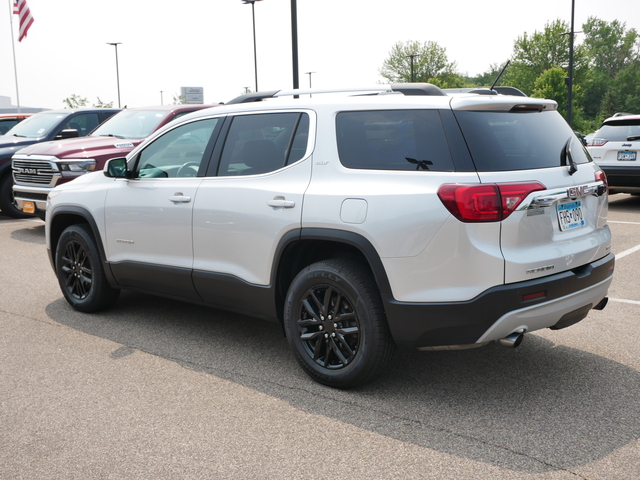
pixel 264 143
pixel 503 141
pixel 393 140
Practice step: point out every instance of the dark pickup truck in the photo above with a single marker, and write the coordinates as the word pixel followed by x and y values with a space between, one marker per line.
pixel 42 127
pixel 39 168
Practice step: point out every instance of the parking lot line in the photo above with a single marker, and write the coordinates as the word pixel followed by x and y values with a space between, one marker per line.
pixel 628 223
pixel 621 300
pixel 627 252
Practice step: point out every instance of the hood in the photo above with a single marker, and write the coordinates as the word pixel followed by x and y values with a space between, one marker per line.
pixel 84 147
pixel 10 145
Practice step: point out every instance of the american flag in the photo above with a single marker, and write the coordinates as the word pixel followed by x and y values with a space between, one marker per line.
pixel 21 9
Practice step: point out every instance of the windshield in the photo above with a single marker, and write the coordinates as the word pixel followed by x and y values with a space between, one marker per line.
pixel 131 124
pixel 501 141
pixel 37 126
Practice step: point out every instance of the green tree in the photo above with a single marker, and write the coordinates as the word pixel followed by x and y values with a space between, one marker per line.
pixel 623 94
pixel 429 62
pixel 101 104
pixel 610 45
pixel 541 51
pixel 75 101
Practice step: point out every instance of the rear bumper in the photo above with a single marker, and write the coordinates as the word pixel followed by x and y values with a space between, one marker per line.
pixel 501 310
pixel 623 178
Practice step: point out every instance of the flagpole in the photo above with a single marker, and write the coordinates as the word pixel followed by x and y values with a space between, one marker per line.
pixel 13 48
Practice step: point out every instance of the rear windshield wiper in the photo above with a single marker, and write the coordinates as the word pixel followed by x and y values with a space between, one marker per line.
pixel 567 159
pixel 420 164
pixel 633 137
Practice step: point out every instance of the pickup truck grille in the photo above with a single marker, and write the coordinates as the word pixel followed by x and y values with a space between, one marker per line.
pixel 35 172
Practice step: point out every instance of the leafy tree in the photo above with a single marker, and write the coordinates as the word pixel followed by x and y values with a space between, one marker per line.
pixel 623 94
pixel 179 99
pixel 429 61
pixel 101 104
pixel 487 78
pixel 541 51
pixel 75 101
pixel 611 47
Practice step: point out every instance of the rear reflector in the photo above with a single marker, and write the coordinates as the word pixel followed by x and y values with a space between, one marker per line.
pixel 486 202
pixel 534 296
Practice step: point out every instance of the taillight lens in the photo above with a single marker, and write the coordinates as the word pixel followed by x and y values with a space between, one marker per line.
pixel 486 202
pixel 601 177
pixel 597 142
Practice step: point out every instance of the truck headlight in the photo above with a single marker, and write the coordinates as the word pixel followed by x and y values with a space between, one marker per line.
pixel 74 168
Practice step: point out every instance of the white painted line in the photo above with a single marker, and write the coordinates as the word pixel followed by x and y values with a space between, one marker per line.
pixel 628 223
pixel 627 252
pixel 634 302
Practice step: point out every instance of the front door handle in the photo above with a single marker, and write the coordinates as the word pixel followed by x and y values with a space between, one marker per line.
pixel 281 202
pixel 178 197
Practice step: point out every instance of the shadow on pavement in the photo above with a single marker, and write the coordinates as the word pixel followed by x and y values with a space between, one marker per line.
pixel 539 408
pixel 32 233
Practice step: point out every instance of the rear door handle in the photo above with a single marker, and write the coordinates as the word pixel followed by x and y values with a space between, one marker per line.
pixel 281 202
pixel 178 197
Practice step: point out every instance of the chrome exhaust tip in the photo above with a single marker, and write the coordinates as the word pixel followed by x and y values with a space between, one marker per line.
pixel 511 341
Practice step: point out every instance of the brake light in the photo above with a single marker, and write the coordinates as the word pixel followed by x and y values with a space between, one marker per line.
pixel 486 202
pixel 601 177
pixel 597 142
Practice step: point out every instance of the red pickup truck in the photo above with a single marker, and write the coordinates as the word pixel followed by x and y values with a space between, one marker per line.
pixel 39 168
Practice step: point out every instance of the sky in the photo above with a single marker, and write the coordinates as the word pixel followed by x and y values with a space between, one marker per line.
pixel 166 45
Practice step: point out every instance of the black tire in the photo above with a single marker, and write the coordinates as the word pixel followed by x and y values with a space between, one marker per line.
pixel 7 205
pixel 80 271
pixel 335 324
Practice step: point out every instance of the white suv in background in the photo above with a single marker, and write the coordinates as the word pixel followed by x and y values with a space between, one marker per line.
pixel 359 220
pixel 614 147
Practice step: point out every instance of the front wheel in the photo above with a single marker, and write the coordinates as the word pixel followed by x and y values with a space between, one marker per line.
pixel 335 323
pixel 7 203
pixel 80 272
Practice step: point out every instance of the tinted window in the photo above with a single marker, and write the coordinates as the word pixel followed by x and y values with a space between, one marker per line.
pixel 393 140
pixel 178 153
pixel 83 123
pixel 619 130
pixel 263 143
pixel 501 141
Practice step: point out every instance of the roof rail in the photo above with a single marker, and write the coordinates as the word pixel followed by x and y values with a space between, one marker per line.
pixel 404 88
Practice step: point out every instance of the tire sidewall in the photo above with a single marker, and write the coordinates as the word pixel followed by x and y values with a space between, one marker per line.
pixel 7 205
pixel 325 274
pixel 77 233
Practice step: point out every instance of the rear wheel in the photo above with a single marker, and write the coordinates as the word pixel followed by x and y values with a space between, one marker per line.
pixel 80 272
pixel 335 324
pixel 7 204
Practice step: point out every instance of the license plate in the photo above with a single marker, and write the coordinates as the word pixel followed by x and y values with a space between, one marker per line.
pixel 28 207
pixel 627 156
pixel 571 215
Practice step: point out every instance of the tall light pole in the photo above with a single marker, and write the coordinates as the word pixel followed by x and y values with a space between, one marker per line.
pixel 570 82
pixel 255 52
pixel 294 44
pixel 115 44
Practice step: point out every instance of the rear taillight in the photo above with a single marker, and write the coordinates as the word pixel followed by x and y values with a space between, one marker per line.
pixel 486 202
pixel 601 177
pixel 597 142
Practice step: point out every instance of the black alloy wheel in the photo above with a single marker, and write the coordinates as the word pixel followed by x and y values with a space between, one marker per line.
pixel 328 326
pixel 80 271
pixel 335 323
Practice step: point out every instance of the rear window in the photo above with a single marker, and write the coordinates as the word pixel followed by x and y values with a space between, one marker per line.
pixel 393 140
pixel 619 130
pixel 502 141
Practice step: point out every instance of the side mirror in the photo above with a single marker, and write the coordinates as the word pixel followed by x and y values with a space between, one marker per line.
pixel 116 168
pixel 67 133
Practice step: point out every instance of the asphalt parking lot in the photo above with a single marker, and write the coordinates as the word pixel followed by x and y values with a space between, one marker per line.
pixel 157 389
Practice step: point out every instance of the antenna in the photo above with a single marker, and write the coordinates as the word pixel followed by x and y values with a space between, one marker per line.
pixel 500 74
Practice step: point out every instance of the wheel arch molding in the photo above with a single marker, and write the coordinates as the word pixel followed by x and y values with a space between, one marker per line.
pixel 300 248
pixel 62 217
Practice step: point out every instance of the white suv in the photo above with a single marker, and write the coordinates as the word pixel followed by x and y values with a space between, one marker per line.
pixel 359 220
pixel 614 147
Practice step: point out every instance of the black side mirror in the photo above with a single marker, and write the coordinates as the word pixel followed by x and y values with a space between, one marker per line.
pixel 68 133
pixel 116 168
